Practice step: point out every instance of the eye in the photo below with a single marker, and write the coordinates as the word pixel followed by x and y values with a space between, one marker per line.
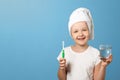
pixel 84 29
pixel 75 31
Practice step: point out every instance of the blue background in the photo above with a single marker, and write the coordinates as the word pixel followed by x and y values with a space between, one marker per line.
pixel 31 33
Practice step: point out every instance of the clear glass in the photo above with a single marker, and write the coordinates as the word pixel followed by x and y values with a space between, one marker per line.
pixel 105 50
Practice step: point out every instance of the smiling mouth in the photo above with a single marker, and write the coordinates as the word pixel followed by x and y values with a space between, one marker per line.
pixel 80 38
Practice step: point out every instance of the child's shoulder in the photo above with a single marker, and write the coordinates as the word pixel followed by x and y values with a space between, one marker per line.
pixel 94 50
pixel 67 48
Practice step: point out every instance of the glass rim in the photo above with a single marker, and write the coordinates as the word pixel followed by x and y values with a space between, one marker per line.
pixel 102 46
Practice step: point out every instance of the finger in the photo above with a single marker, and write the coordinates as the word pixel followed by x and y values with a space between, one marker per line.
pixel 110 56
pixel 103 59
pixel 108 60
pixel 61 59
pixel 62 62
pixel 62 65
pixel 62 68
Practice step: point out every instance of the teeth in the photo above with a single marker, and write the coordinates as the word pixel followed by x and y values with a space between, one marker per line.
pixel 80 37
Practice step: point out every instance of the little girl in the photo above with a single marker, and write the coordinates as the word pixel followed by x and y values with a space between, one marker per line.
pixel 82 61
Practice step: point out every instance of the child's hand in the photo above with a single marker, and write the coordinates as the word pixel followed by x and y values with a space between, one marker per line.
pixel 106 61
pixel 62 63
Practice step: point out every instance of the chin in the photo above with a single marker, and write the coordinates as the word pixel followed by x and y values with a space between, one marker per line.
pixel 81 44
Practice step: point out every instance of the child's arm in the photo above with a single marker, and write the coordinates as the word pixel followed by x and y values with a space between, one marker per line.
pixel 62 70
pixel 100 69
pixel 99 72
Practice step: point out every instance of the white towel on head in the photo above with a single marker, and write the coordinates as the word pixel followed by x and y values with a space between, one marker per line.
pixel 82 14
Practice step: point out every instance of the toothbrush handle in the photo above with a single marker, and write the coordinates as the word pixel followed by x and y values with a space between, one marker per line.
pixel 63 54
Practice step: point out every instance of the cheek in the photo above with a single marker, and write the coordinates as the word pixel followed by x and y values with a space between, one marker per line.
pixel 73 35
pixel 88 36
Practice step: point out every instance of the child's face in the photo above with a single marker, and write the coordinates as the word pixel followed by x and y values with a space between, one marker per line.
pixel 80 33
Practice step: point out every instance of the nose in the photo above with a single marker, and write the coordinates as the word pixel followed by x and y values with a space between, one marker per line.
pixel 80 33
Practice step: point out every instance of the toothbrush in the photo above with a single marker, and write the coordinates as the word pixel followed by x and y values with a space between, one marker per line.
pixel 63 53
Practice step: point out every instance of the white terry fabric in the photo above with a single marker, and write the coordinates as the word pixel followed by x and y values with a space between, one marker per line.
pixel 82 14
pixel 80 65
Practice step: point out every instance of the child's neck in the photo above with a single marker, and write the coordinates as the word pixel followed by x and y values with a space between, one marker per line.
pixel 79 48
